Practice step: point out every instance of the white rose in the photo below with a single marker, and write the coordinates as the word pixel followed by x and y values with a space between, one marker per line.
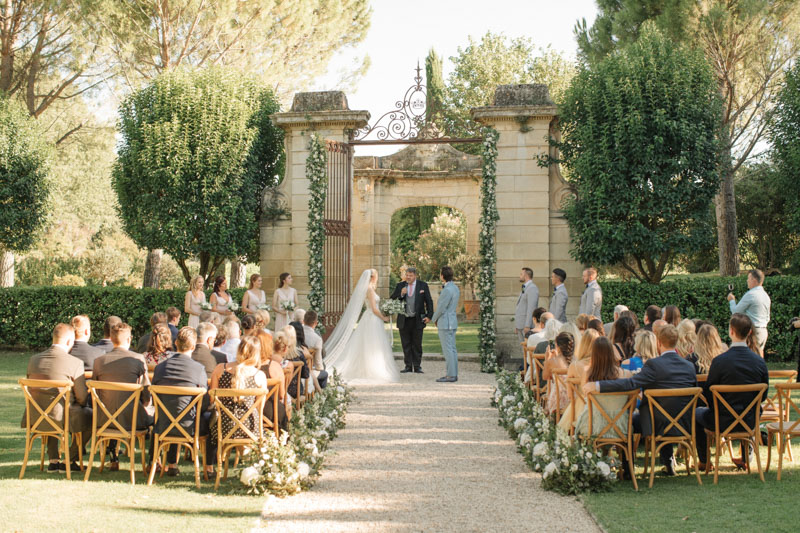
pixel 304 470
pixel 249 475
pixel 520 424
pixel 540 449
pixel 549 469
pixel 574 468
pixel 604 468
pixel 524 439
pixel 278 478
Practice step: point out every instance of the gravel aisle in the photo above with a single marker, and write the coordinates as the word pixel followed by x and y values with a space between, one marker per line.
pixel 426 456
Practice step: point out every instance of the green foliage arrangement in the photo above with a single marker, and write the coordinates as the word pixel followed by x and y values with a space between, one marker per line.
pixel 436 247
pixel 316 173
pixel 785 138
pixel 704 298
pixel 292 463
pixel 196 151
pixel 25 159
pixel 641 145
pixel 488 253
pixel 568 465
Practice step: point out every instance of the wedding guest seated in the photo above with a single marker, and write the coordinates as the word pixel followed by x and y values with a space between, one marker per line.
pixel 578 369
pixel 273 370
pixel 120 365
pixel 573 330
pixel 740 365
pixel 651 314
pixel 644 348
pixel 180 370
pixel 315 347
pixel 232 318
pixel 708 347
pixel 657 325
pixel 243 374
pixel 56 363
pixel 687 338
pixel 672 315
pixel 262 320
pixel 582 321
pixel 220 339
pixel 602 367
pixel 105 343
pixel 597 325
pixel 173 319
pixel 299 354
pixel 159 345
pixel 233 337
pixel 623 338
pixel 618 310
pixel 667 371
pixel 248 325
pixel 630 314
pixel 560 358
pixel 211 317
pixel 551 330
pixel 82 349
pixel 204 352
pixel 144 340
pixel 298 315
pixel 540 318
pixel 280 349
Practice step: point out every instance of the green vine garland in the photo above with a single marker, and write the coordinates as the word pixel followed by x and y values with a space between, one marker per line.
pixel 488 253
pixel 316 166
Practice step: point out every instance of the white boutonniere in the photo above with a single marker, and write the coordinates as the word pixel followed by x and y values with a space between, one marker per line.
pixel 422 292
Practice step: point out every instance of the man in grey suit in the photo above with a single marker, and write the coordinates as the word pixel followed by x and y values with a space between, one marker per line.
pixel 592 297
pixel 558 303
pixel 57 364
pixel 447 323
pixel 526 303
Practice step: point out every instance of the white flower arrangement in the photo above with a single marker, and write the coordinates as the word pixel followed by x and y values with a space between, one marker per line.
pixel 316 173
pixel 488 253
pixel 287 305
pixel 205 306
pixel 233 306
pixel 264 307
pixel 392 307
pixel 568 465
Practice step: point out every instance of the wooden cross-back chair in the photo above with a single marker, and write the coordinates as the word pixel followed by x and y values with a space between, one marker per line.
pixel 525 364
pixel 273 385
pixel 558 381
pixel 575 391
pixel 539 385
pixel 195 443
pixel 311 389
pixel 686 440
pixel 746 433
pixel 105 433
pixel 616 439
pixel 295 376
pixel 784 428
pixel 44 426
pixel 770 410
pixel 226 442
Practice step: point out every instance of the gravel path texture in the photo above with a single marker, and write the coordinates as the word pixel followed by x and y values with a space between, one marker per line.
pixel 425 456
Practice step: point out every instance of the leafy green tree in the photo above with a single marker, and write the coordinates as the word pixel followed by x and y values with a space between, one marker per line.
pixel 640 145
pixel 440 245
pixel 195 154
pixel 767 235
pixel 24 185
pixel 748 43
pixel 785 138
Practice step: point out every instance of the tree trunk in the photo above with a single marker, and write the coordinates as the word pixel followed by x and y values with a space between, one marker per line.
pixel 6 269
pixel 727 234
pixel 238 274
pixel 152 268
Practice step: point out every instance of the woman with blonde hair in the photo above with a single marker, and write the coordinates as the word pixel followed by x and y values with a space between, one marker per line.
pixel 297 355
pixel 254 296
pixel 273 370
pixel 262 320
pixel 644 348
pixel 687 338
pixel 578 369
pixel 194 300
pixel 708 346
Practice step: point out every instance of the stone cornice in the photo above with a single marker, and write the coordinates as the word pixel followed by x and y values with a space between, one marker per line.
pixel 297 120
pixel 387 173
pixel 517 113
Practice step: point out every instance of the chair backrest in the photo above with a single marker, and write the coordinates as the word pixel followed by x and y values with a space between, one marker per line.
pixel 771 402
pixel 559 382
pixel 57 391
pixel 298 368
pixel 609 421
pixel 575 391
pixel 273 386
pixel 135 390
pixel 785 401
pixel 527 355
pixel 717 392
pixel 540 385
pixel 701 378
pixel 197 393
pixel 239 422
pixel 655 396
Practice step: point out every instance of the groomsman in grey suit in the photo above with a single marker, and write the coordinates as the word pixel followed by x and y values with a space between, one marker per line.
pixel 558 303
pixel 447 323
pixel 526 303
pixel 592 298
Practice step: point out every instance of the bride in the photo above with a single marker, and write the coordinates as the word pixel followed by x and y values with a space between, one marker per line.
pixel 362 351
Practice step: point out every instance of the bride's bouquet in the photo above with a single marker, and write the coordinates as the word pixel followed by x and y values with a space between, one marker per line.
pixel 393 307
pixel 287 305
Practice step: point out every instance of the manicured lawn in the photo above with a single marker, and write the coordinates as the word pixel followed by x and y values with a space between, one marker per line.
pixel 466 339
pixel 108 502
pixel 740 501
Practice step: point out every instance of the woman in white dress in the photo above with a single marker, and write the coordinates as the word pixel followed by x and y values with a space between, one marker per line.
pixel 221 299
pixel 284 293
pixel 195 298
pixel 254 296
pixel 363 354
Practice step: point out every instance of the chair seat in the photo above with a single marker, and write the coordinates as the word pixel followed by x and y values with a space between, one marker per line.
pixel 113 433
pixel 770 413
pixel 731 436
pixel 774 427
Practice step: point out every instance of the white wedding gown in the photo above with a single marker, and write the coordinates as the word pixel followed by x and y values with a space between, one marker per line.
pixel 364 354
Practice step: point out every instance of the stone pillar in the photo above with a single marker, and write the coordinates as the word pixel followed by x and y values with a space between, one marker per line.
pixel 284 242
pixel 522 115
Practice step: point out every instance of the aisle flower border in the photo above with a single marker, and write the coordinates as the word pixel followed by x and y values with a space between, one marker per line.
pixel 488 252
pixel 316 173
pixel 291 464
pixel 567 465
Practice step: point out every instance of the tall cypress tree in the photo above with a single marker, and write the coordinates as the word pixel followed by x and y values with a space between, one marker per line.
pixel 435 86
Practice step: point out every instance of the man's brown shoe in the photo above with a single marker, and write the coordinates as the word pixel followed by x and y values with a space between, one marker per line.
pixel 113 466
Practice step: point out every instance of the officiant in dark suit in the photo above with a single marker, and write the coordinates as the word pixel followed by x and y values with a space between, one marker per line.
pixel 419 310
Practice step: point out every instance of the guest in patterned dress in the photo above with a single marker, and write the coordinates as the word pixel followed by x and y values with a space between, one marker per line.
pixel 159 345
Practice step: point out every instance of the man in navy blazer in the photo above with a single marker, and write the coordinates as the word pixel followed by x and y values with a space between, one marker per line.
pixel 668 371
pixel 419 311
pixel 740 365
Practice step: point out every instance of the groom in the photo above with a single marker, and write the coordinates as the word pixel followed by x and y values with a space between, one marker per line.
pixel 419 310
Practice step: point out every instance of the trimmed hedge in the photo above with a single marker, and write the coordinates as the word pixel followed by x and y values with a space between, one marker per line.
pixel 705 298
pixel 28 314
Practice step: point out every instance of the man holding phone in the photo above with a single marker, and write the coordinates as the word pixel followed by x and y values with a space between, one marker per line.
pixel 755 304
